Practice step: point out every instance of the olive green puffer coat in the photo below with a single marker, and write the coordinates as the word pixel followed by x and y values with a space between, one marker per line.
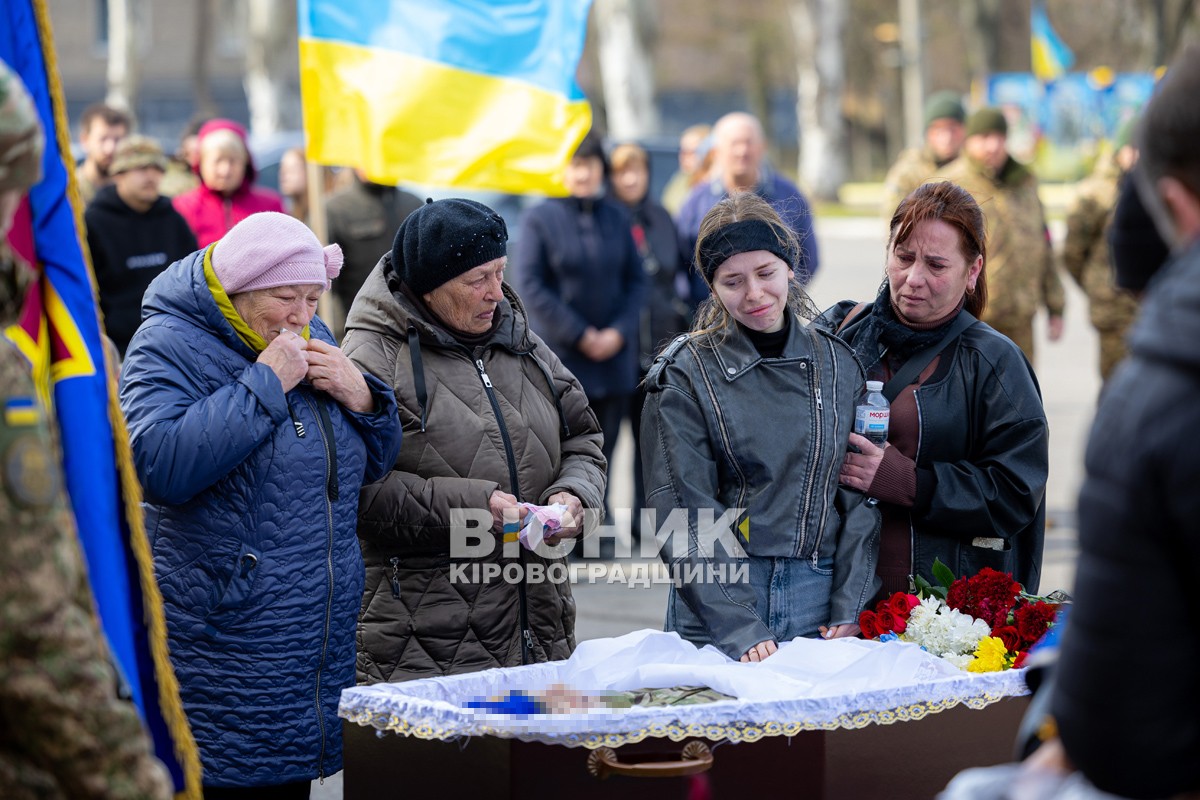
pixel 503 415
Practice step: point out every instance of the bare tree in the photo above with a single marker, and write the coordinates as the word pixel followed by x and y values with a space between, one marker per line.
pixel 202 94
pixel 125 18
pixel 1170 19
pixel 270 66
pixel 818 27
pixel 624 28
pixel 981 25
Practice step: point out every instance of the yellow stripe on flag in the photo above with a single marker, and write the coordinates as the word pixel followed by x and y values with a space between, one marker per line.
pixel 403 118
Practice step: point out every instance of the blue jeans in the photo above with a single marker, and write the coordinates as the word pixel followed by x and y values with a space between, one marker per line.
pixel 791 597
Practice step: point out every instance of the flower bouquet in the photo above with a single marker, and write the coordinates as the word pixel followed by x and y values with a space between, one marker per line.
pixel 983 623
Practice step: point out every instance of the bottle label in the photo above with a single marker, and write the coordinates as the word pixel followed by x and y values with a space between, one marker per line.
pixel 872 422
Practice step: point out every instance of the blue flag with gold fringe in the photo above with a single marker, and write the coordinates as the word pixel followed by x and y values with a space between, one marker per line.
pixel 59 332
pixel 458 93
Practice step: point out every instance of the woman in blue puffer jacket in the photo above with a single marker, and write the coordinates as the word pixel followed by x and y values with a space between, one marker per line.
pixel 252 434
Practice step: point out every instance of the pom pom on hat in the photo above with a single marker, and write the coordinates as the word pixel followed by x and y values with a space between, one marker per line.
pixel 444 239
pixel 270 249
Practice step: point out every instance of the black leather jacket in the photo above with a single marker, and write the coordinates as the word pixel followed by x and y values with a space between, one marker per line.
pixel 724 428
pixel 982 458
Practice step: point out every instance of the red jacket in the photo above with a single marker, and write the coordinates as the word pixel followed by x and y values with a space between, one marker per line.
pixel 211 214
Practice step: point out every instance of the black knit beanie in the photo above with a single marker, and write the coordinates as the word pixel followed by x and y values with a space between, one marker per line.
pixel 445 238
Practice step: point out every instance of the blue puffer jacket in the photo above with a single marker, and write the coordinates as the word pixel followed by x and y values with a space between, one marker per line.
pixel 253 530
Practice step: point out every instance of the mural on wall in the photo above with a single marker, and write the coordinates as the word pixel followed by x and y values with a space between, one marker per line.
pixel 1060 126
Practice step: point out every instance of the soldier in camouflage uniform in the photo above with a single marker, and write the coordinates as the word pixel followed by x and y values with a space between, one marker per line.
pixel 944 131
pixel 63 731
pixel 1086 255
pixel 1021 276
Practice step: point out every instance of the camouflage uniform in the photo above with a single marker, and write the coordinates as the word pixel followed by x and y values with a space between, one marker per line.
pixel 914 166
pixel 63 730
pixel 1086 258
pixel 1021 276
pixel 179 178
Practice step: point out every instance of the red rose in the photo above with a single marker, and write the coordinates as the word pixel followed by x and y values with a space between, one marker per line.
pixel 884 604
pixel 886 620
pixel 1019 661
pixel 1034 619
pixel 1010 636
pixel 899 623
pixel 869 624
pixel 899 605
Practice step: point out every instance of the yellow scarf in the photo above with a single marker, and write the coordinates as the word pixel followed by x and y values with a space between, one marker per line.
pixel 252 339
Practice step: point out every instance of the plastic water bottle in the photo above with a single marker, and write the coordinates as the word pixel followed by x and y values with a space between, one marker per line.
pixel 872 414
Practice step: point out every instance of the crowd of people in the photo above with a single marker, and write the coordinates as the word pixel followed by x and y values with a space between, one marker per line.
pixel 310 505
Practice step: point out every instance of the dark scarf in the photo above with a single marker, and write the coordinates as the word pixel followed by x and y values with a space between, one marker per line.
pixel 884 332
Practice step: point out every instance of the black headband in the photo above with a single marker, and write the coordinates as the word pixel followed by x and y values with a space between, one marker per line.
pixel 744 236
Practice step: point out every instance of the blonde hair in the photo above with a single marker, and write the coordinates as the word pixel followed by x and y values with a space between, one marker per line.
pixel 224 141
pixel 626 155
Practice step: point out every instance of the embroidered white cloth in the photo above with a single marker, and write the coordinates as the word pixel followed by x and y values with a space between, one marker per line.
pixel 809 684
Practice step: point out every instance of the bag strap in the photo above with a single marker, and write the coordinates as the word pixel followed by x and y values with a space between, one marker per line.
pixel 846 320
pixel 920 360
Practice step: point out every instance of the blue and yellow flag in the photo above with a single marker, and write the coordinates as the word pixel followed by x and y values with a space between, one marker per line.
pixel 476 94
pixel 1051 56
pixel 60 333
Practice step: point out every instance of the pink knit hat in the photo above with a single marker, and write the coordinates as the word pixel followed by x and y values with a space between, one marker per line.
pixel 271 249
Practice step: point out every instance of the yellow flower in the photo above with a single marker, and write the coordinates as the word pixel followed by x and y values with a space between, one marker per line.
pixel 990 655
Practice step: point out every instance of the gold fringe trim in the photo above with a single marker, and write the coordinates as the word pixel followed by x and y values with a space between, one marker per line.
pixel 131 492
pixel 738 732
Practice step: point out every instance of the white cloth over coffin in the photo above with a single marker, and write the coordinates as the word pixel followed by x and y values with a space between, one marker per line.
pixel 821 684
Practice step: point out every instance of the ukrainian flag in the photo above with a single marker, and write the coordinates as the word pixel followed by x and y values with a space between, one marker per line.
pixel 1051 57
pixel 60 333
pixel 477 94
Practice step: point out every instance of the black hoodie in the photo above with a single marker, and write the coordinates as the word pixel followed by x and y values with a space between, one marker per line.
pixel 129 249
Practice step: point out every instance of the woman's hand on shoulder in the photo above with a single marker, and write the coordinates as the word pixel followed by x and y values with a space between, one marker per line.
pixel 858 470
pixel 330 371
pixel 286 358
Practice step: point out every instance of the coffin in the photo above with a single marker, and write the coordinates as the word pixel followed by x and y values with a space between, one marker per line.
pixel 838 719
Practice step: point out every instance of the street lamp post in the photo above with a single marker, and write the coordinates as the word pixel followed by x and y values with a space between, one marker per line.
pixel 912 34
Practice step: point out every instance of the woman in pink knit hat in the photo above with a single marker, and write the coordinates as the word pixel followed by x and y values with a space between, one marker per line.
pixel 227 193
pixel 252 434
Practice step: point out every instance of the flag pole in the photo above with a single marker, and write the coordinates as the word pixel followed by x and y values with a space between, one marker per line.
pixel 316 221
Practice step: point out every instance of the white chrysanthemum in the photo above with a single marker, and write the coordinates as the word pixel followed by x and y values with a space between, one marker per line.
pixel 942 630
pixel 959 661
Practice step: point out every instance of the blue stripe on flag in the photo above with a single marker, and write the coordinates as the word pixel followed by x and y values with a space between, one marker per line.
pixel 536 41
